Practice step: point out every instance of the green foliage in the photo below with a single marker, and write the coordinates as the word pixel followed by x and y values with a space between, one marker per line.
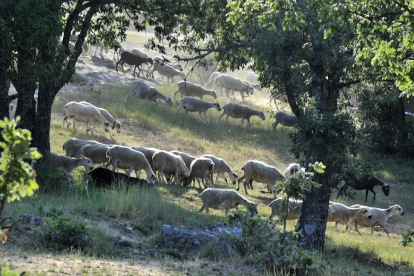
pixel 381 125
pixel 261 242
pixel 17 178
pixel 6 272
pixel 63 231
pixel 408 237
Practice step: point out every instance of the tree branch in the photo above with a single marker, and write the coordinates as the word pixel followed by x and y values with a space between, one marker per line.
pixel 2 204
pixel 207 51
pixel 69 25
pixel 346 84
pixel 405 7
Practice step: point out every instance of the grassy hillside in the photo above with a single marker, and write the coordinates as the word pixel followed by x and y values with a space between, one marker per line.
pixel 137 214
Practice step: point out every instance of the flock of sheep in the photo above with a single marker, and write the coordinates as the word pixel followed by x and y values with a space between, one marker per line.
pixel 184 169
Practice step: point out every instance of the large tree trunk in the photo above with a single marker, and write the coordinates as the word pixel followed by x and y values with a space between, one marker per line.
pixel 25 87
pixel 4 89
pixel 43 118
pixel 313 218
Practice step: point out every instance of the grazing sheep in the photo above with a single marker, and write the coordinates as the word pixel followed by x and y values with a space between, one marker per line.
pixel 379 217
pixel 260 172
pixel 148 152
pixel 129 159
pixel 85 113
pixel 73 145
pixel 139 53
pixel 201 168
pixel 235 110
pixel 167 71
pixel 103 177
pixel 144 91
pixel 188 159
pixel 226 199
pixel 294 209
pixel 276 95
pixel 347 214
pixel 292 169
pixel 131 59
pixel 221 167
pixel 233 84
pixel 285 120
pixel 190 89
pixel 111 119
pixel 68 164
pixel 167 163
pixel 365 182
pixel 251 77
pixel 193 105
pixel 79 81
pixel 95 152
pixel 210 81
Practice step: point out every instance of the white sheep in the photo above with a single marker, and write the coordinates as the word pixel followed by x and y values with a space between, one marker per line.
pixel 95 152
pixel 148 152
pixel 260 172
pixel 222 199
pixel 278 208
pixel 221 167
pixel 130 160
pixel 167 71
pixel 79 81
pixel 285 120
pixel 191 104
pixel 68 164
pixel 294 209
pixel 139 53
pixel 190 89
pixel 73 145
pixel 347 214
pixel 292 169
pixel 188 159
pixel 201 168
pixel 379 217
pixel 210 81
pixel 251 77
pixel 168 164
pixel 235 110
pixel 230 83
pixel 85 113
pixel 111 119
pixel 144 91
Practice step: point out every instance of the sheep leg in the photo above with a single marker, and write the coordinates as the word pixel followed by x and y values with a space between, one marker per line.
pixel 242 95
pixel 205 115
pixel 128 173
pixel 248 122
pixel 203 207
pixel 356 229
pixel 199 115
pixel 227 118
pixel 176 92
pixel 242 121
pixel 178 109
pixel 240 180
pixel 245 184
pixel 222 114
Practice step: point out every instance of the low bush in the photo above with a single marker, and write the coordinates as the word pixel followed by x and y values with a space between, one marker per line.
pixel 63 231
pixel 261 242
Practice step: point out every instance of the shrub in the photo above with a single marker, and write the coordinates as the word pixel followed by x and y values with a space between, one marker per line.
pixel 261 242
pixel 408 237
pixel 63 231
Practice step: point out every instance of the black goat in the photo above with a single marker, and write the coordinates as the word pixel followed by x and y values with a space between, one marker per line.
pixel 105 178
pixel 367 183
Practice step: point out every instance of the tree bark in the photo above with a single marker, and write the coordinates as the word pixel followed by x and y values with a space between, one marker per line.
pixel 43 118
pixel 4 88
pixel 313 217
pixel 25 87
pixel 402 123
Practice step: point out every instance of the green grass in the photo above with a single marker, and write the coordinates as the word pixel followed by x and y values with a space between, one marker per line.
pixel 144 210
